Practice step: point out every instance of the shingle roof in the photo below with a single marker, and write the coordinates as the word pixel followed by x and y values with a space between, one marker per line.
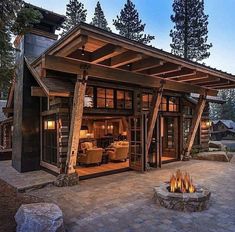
pixel 230 124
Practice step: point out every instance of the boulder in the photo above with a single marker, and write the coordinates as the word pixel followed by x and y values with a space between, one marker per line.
pixel 64 180
pixel 214 156
pixel 39 217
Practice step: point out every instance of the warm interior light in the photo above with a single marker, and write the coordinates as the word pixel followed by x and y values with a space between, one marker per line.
pixel 83 50
pixel 49 125
pixel 208 123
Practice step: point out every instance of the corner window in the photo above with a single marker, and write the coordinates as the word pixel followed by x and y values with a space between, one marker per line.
pixel 173 104
pixel 124 99
pixel 163 106
pixel 105 98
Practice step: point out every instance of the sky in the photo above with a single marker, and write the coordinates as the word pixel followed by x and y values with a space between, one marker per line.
pixel 156 14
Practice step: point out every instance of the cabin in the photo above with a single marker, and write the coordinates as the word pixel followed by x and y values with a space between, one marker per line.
pixel 222 130
pixel 94 102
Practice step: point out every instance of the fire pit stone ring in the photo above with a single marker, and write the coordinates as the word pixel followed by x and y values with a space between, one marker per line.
pixel 187 202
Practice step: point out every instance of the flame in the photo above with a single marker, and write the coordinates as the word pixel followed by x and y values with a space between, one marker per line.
pixel 181 183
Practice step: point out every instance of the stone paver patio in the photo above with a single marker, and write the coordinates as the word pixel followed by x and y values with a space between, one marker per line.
pixel 124 202
pixel 24 181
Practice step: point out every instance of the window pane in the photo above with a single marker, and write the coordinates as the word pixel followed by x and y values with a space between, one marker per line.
pixel 120 95
pixel 109 103
pixel 145 101
pixel 128 105
pixel 100 102
pixel 128 95
pixel 173 104
pixel 164 104
pixel 89 97
pixel 109 93
pixel 100 92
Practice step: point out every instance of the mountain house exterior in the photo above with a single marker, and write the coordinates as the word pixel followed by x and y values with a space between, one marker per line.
pixel 94 102
pixel 222 130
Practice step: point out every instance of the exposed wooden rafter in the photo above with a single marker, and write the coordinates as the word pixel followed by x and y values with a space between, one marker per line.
pixel 166 68
pixel 72 46
pixel 106 52
pixel 125 58
pixel 147 63
pixel 197 76
pixel 205 80
pixel 107 73
pixel 180 74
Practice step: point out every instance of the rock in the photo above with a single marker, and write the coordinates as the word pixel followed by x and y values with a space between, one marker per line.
pixel 39 217
pixel 67 180
pixel 214 156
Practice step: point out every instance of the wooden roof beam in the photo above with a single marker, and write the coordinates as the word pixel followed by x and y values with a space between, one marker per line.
pixel 193 77
pixel 125 58
pixel 147 63
pixel 181 73
pixel 103 72
pixel 73 46
pixel 230 86
pixel 205 81
pixel 167 68
pixel 106 52
pixel 224 83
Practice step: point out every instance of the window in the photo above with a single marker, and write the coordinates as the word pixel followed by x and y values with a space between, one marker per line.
pixel 188 110
pixel 105 98
pixel 173 104
pixel 163 106
pixel 89 97
pixel 124 99
pixel 146 101
pixel 170 104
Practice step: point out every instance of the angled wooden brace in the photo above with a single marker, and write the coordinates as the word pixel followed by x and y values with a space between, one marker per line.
pixel 153 114
pixel 76 120
pixel 195 124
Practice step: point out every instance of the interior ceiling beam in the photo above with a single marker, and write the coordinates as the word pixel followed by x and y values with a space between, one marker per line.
pixel 205 81
pixel 166 68
pixel 147 63
pixel 68 65
pixel 106 52
pixel 72 46
pixel 125 58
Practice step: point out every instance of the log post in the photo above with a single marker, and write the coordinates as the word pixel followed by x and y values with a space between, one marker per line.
pixel 76 122
pixel 153 114
pixel 195 124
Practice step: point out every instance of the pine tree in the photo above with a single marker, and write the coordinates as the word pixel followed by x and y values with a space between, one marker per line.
pixel 75 14
pixel 226 110
pixel 189 36
pixel 130 26
pixel 99 19
pixel 14 19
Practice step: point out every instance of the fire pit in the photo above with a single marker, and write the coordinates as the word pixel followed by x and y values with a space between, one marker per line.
pixel 181 194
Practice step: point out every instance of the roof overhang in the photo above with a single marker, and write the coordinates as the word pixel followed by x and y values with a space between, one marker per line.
pixel 109 56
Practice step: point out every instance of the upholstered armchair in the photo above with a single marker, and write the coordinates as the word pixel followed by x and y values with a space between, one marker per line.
pixel 91 156
pixel 118 153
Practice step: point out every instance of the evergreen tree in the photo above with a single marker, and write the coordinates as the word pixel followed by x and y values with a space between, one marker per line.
pixel 130 26
pixel 99 19
pixel 75 14
pixel 226 110
pixel 189 36
pixel 14 19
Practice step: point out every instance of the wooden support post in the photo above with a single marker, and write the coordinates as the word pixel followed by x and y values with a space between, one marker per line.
pixel 153 114
pixel 195 124
pixel 76 122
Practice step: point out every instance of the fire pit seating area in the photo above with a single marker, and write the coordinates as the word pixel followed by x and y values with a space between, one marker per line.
pixel 181 194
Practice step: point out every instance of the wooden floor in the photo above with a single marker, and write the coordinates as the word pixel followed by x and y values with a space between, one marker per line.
pixel 165 158
pixel 111 166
